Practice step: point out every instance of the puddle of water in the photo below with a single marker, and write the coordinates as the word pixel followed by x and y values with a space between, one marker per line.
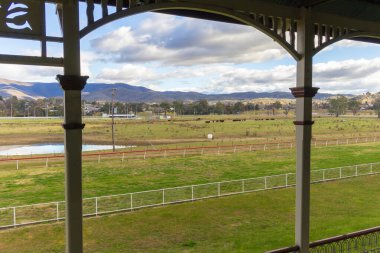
pixel 47 149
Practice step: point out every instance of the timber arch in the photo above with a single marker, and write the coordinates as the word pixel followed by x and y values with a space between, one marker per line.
pixel 280 29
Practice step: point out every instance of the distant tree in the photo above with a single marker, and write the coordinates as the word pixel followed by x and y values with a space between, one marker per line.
pixel 277 105
pixel 338 105
pixel 376 107
pixel 238 107
pixel 165 106
pixel 219 108
pixel 354 106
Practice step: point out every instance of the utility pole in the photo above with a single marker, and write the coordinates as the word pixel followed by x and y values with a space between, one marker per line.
pixel 113 119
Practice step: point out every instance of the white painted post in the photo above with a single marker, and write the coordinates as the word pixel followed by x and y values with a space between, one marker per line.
pixel 265 182
pixel 14 217
pixel 243 185
pixel 250 148
pixel 315 143
pixel 219 189
pixel 326 143
pixel 17 164
pixel 340 173
pixel 304 93
pixel 286 180
pixel 278 146
pixel 57 210
pixel 96 206
pixel 163 196
pixel 371 168
pixel 122 158
pixel 192 192
pixel 131 199
pixel 145 154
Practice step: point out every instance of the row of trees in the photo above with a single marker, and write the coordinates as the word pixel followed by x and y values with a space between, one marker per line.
pixel 202 107
pixel 14 107
pixel 341 104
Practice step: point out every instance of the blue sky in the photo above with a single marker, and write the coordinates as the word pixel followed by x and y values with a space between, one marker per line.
pixel 164 52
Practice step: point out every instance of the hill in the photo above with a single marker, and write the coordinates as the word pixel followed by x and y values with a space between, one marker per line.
pixel 128 93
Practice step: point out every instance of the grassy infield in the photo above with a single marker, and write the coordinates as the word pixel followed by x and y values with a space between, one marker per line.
pixel 258 221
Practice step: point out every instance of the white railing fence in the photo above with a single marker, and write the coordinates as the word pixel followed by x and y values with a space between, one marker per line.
pixel 55 211
pixel 124 156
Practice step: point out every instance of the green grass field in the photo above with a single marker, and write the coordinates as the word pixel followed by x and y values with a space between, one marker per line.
pixel 34 183
pixel 243 223
pixel 252 222
pixel 182 130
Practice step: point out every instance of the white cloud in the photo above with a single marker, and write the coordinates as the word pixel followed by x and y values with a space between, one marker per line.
pixel 183 41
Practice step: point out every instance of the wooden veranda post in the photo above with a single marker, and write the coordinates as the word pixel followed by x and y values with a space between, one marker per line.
pixel 72 83
pixel 303 93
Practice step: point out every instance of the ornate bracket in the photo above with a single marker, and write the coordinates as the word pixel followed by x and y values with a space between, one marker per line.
pixel 69 82
pixel 304 92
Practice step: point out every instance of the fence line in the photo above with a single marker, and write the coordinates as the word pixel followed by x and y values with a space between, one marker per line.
pixel 55 211
pixel 183 152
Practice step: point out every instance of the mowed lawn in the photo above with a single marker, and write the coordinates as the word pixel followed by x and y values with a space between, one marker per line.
pixel 253 222
pixel 34 183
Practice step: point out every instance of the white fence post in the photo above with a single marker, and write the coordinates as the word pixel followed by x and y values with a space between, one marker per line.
pixel 96 206
pixel 371 168
pixel 340 173
pixel 286 180
pixel 163 196
pixel 131 201
pixel 57 207
pixel 323 175
pixel 99 158
pixel 122 158
pixel 326 143
pixel 17 164
pixel 315 143
pixel 250 148
pixel 291 145
pixel 219 189
pixel 145 154
pixel 14 216
pixel 278 146
pixel 265 182
pixel 192 192
pixel 243 185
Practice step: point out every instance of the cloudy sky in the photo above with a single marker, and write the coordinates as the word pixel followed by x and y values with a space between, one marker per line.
pixel 165 52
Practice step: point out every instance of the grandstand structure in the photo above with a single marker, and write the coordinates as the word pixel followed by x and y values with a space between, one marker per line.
pixel 301 27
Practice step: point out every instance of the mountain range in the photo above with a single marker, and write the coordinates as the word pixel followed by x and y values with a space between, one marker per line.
pixel 127 93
